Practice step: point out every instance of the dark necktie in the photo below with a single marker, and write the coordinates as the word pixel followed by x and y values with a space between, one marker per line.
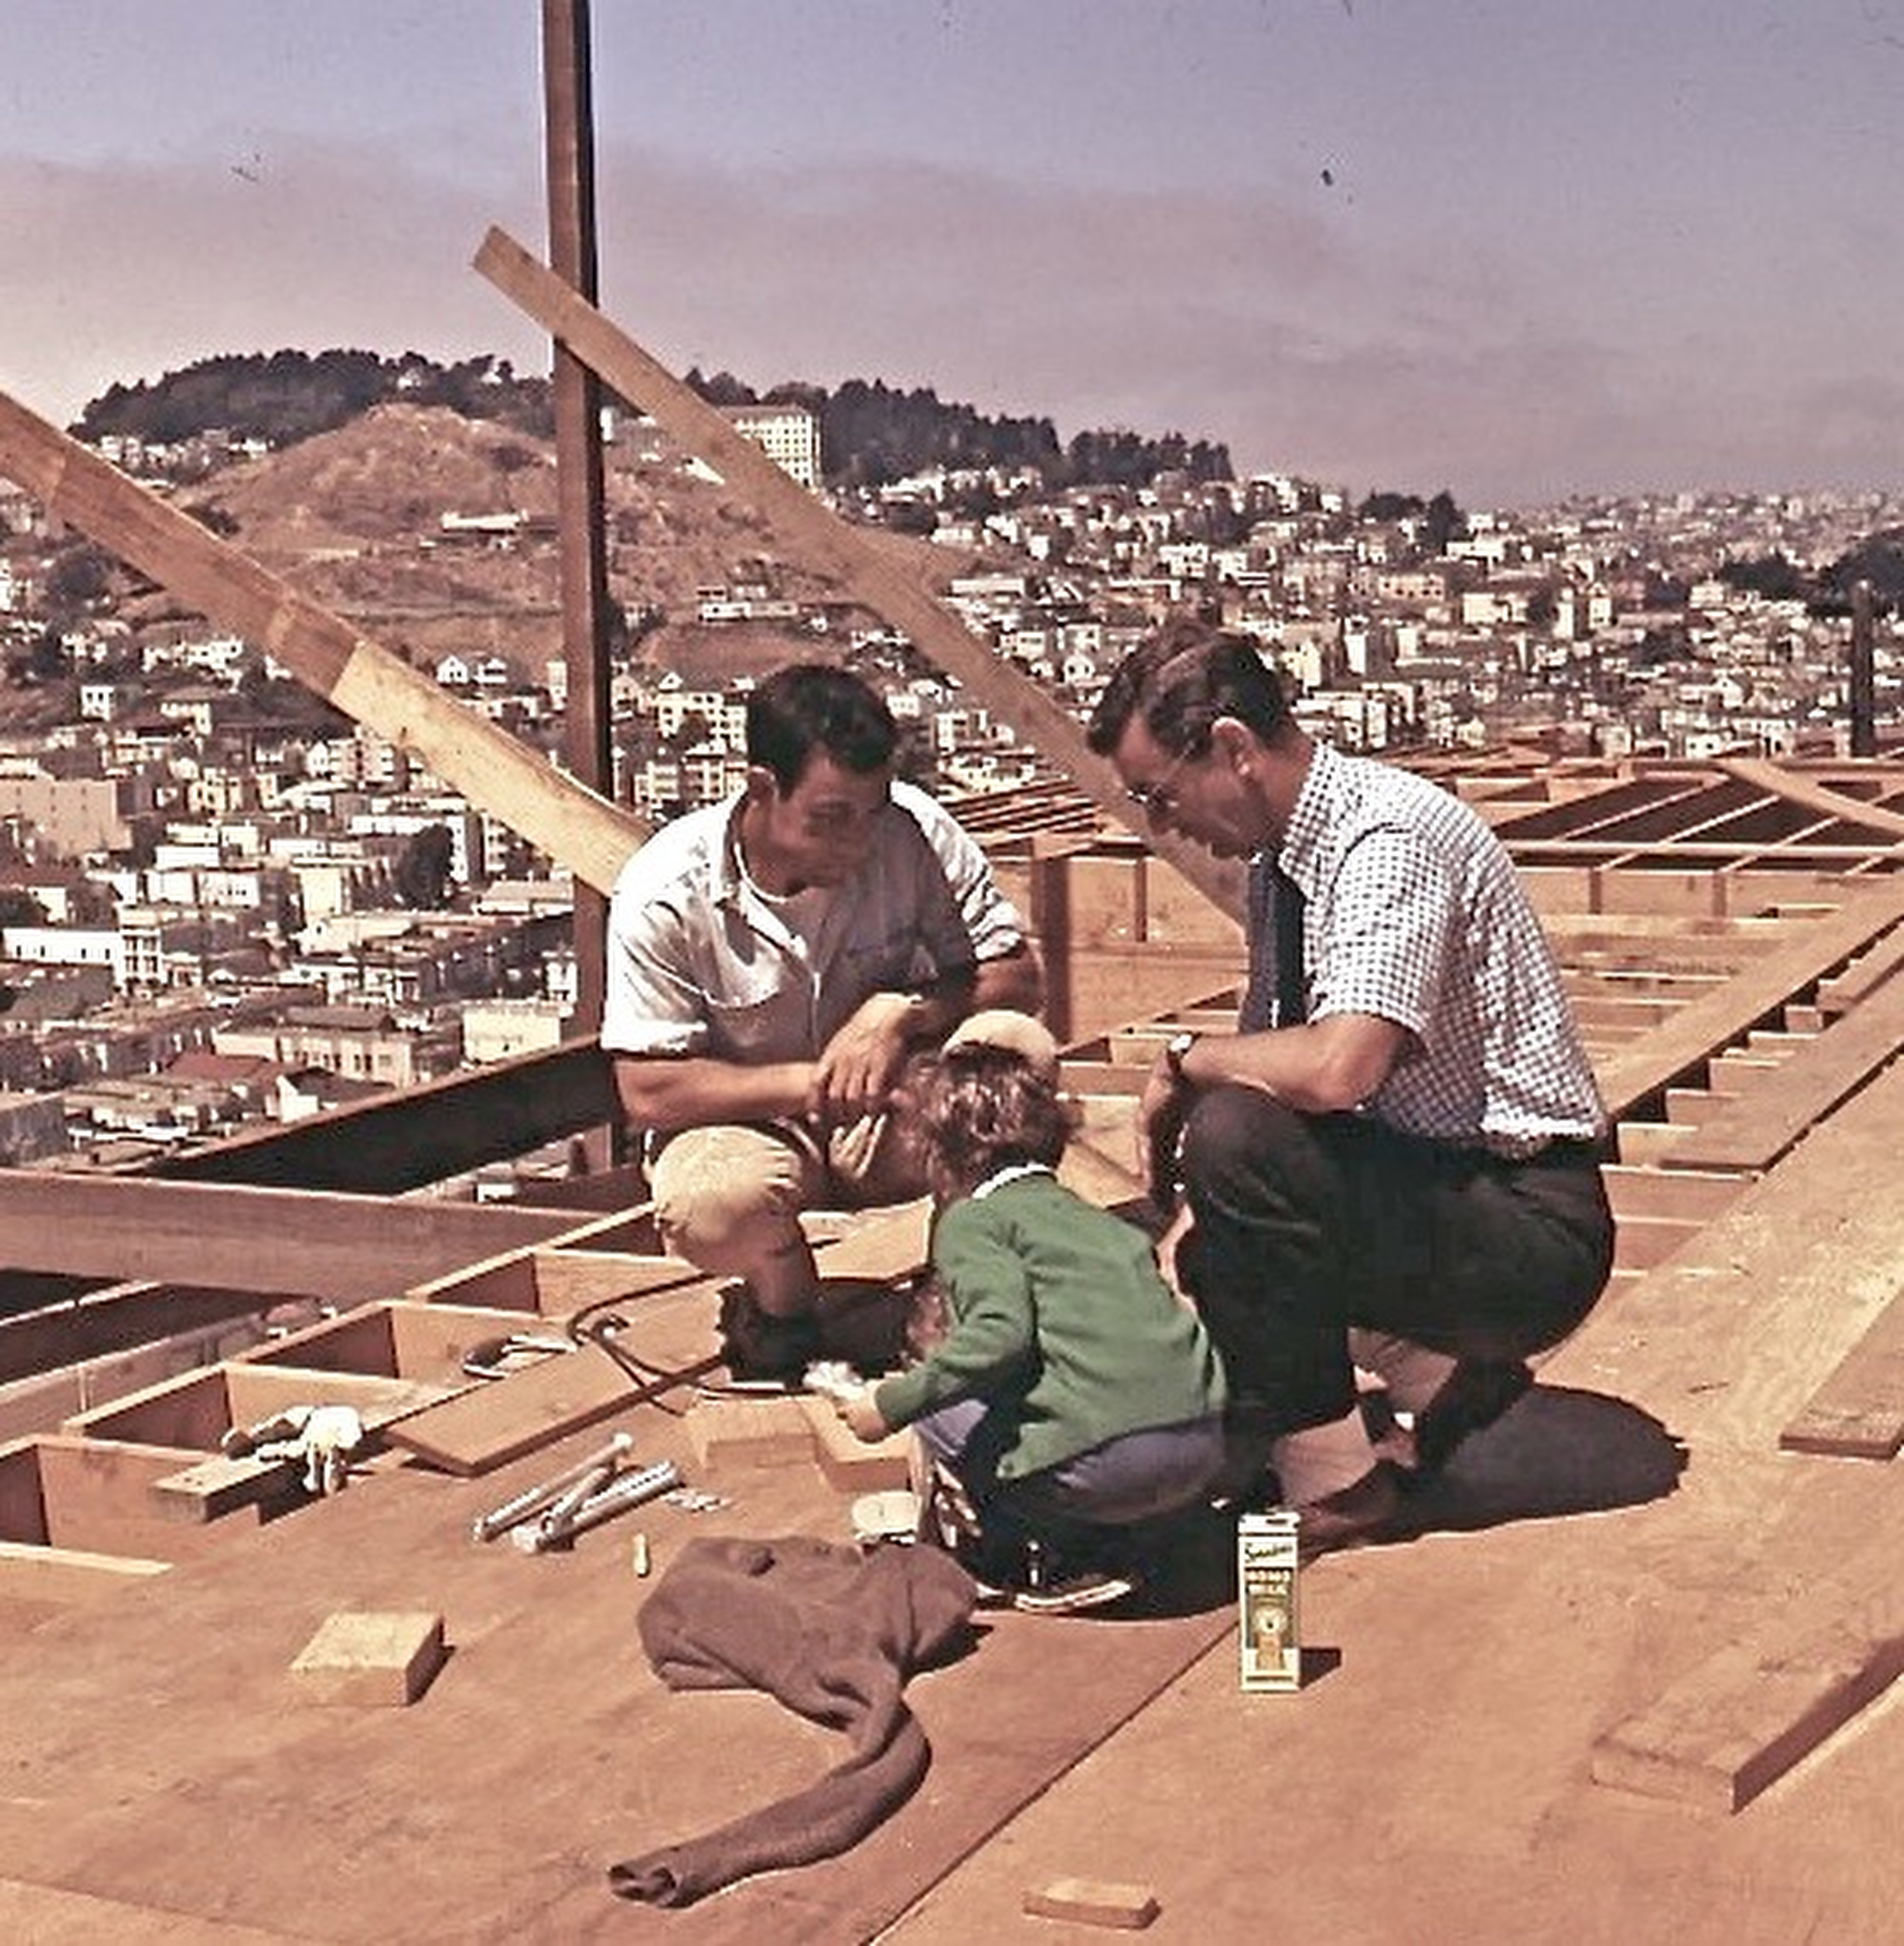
pixel 1277 995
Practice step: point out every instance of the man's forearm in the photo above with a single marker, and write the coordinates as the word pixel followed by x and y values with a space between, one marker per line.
pixel 1015 980
pixel 684 1092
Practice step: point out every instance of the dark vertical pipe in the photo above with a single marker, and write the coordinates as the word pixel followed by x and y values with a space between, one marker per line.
pixel 1864 674
pixel 568 115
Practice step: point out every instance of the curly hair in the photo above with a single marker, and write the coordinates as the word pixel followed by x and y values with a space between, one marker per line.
pixel 978 1109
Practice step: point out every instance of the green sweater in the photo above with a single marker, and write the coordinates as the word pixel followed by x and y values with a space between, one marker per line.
pixel 1059 1317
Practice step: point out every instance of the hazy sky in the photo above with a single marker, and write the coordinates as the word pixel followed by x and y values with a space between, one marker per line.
pixel 1515 247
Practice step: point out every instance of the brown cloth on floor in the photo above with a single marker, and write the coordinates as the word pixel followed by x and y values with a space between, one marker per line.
pixel 831 1632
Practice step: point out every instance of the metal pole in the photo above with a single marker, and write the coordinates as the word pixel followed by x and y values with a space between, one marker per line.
pixel 1864 673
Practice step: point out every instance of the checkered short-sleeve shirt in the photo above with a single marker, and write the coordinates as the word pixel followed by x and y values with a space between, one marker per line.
pixel 1414 913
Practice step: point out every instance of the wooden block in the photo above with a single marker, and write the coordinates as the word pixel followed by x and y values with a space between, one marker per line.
pixel 847 1461
pixel 749 1431
pixel 1744 1718
pixel 371 1659
pixel 1094 1902
pixel 210 1488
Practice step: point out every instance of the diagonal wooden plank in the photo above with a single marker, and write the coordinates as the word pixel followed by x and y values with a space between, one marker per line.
pixel 1809 795
pixel 1702 1027
pixel 1744 1717
pixel 1858 1413
pixel 827 543
pixel 1753 1130
pixel 489 767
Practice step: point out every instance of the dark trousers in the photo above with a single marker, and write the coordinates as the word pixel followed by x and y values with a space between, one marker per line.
pixel 1307 1224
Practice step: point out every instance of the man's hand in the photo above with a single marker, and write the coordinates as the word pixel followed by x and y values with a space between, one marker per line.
pixel 1161 1109
pixel 862 1415
pixel 1168 1245
pixel 856 1073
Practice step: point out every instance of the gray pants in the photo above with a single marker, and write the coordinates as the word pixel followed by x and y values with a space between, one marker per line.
pixel 1133 1478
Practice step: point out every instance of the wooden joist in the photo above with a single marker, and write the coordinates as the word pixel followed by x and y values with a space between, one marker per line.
pixel 1753 1131
pixel 1703 1027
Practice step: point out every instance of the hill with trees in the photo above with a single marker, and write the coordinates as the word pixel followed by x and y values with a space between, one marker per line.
pixel 871 434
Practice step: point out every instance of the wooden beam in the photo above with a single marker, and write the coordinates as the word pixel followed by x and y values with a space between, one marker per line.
pixel 276 1242
pixel 1809 796
pixel 413 1136
pixel 1744 1717
pixel 870 573
pixel 490 767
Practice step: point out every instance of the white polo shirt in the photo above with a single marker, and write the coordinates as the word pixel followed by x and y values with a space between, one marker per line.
pixel 700 961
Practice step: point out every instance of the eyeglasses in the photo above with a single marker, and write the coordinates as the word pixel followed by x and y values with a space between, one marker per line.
pixel 1157 796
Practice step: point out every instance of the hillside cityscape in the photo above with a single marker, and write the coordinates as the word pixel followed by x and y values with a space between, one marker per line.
pixel 222 902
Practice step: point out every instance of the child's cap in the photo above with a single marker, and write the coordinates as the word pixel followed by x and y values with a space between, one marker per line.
pixel 1013 1033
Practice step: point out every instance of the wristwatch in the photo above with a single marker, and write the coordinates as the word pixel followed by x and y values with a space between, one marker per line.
pixel 1175 1049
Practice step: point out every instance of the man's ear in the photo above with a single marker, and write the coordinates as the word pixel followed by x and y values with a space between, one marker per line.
pixel 763 786
pixel 1234 742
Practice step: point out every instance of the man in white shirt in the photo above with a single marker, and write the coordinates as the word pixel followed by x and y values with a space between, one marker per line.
pixel 772 962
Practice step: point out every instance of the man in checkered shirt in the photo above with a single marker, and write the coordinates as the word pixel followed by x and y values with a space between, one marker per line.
pixel 1394 1161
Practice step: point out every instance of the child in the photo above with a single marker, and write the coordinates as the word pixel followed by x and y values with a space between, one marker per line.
pixel 1071 1393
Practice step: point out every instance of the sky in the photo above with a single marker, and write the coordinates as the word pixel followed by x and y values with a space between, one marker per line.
pixel 1519 249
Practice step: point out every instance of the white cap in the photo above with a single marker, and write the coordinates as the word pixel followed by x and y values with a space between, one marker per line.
pixel 1013 1033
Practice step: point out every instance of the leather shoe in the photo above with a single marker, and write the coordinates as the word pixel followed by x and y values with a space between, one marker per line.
pixel 1477 1393
pixel 1352 1516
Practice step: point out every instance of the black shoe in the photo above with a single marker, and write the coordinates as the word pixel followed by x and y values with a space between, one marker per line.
pixel 1475 1394
pixel 1354 1516
pixel 762 1349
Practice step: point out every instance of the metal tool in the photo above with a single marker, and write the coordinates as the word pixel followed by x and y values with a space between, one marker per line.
pixel 630 1489
pixel 491 1358
pixel 500 1519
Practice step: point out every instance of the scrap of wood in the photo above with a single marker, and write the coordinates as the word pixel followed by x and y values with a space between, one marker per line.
pixel 849 1463
pixel 1094 1902
pixel 1742 1718
pixel 381 1660
pixel 1754 1130
pixel 730 1432
pixel 1858 1413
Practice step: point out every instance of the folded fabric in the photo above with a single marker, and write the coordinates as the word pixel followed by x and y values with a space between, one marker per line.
pixel 831 1632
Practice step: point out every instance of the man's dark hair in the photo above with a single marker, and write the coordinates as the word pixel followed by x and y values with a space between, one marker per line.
pixel 812 706
pixel 1178 682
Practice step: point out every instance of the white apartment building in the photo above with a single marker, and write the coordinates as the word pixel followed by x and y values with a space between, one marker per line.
pixel 788 435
